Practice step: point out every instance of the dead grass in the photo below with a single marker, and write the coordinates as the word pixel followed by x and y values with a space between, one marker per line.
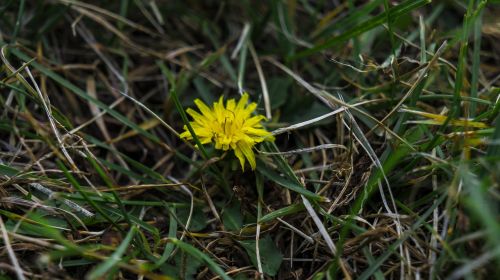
pixel 385 163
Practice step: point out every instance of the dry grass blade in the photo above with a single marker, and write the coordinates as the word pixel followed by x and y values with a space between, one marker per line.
pixel 95 110
pixel 322 230
pixel 306 123
pixel 73 4
pixel 263 84
pixel 12 256
pixel 45 102
pixel 306 150
pixel 421 75
pixel 166 125
pixel 382 162
pixel 332 102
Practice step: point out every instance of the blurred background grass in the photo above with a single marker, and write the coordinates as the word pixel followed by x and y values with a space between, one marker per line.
pixel 385 164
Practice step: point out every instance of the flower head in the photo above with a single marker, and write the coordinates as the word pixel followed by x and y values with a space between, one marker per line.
pixel 229 127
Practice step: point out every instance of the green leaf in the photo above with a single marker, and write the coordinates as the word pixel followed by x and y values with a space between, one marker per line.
pixel 231 217
pixel 278 91
pixel 304 109
pixel 198 219
pixel 270 255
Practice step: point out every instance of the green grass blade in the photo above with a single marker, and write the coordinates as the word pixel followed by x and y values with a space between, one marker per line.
pixel 191 250
pixel 115 258
pixel 88 199
pixel 288 184
pixel 365 26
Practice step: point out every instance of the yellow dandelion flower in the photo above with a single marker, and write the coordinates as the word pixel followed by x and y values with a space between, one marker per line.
pixel 229 127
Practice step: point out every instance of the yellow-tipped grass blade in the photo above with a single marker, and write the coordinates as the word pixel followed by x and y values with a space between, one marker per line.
pixel 435 119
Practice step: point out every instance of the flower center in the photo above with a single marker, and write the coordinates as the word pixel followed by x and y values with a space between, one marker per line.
pixel 226 132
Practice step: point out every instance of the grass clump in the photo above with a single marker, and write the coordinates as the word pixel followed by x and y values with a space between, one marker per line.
pixel 384 118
